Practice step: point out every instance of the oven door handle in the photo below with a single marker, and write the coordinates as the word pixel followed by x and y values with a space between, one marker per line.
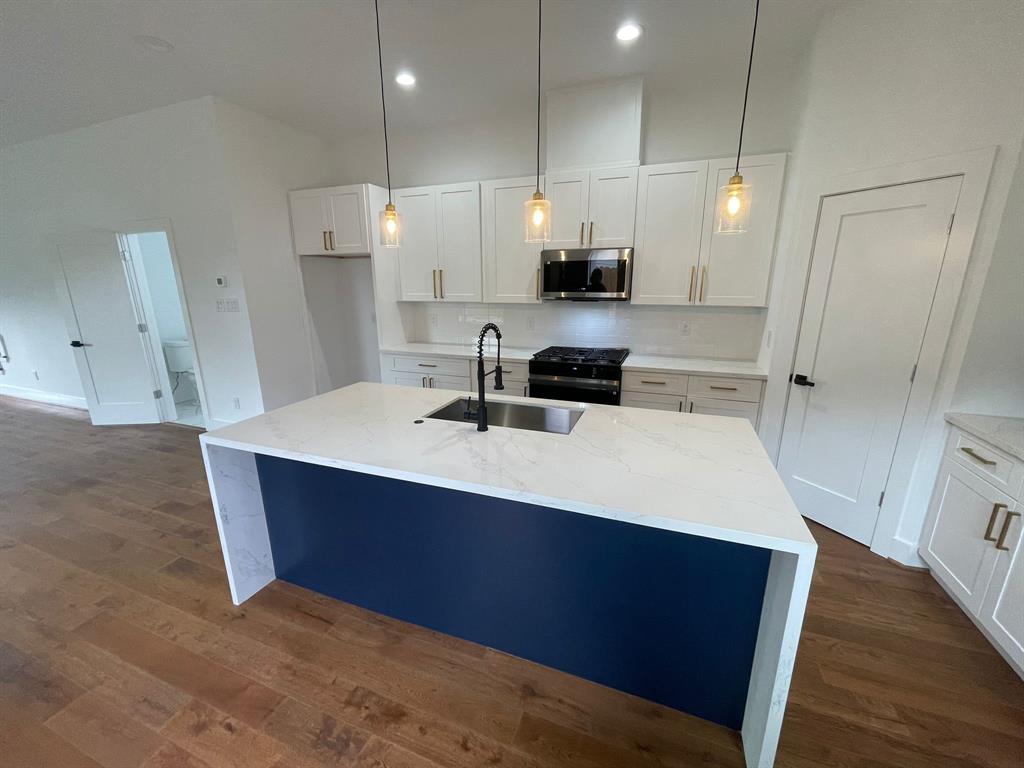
pixel 575 382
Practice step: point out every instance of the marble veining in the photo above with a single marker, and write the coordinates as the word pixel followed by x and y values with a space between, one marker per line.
pixel 1003 432
pixel 705 475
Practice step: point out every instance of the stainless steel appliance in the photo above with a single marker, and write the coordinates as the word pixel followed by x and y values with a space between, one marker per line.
pixel 578 374
pixel 586 274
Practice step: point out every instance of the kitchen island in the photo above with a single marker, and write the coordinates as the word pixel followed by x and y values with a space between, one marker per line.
pixel 656 553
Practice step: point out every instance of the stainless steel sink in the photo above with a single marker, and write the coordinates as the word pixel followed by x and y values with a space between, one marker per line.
pixel 539 418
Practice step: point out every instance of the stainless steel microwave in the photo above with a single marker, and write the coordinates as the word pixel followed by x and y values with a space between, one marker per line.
pixel 586 274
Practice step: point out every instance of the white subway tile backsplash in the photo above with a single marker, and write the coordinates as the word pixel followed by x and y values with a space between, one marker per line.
pixel 725 333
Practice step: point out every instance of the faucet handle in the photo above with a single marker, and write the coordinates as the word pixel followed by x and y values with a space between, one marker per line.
pixel 497 377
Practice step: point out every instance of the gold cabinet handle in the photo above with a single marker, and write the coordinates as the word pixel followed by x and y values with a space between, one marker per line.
pixel 424 382
pixel 582 224
pixel 977 456
pixel 440 280
pixel 703 279
pixel 324 233
pixel 724 389
pixel 1001 544
pixel 693 280
pixel 591 233
pixel 525 387
pixel 538 283
pixel 433 281
pixel 330 237
pixel 691 406
pixel 431 381
pixel 992 521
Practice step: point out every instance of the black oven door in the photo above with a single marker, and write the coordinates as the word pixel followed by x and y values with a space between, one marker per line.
pixel 574 390
pixel 586 273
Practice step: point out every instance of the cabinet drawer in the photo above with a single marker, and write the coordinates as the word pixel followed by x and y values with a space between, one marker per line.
pixel 457 383
pixel 654 383
pixel 653 402
pixel 725 388
pixel 714 407
pixel 1003 471
pixel 432 366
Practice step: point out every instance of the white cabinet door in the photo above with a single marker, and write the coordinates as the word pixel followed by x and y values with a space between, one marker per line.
pixel 735 268
pixel 346 221
pixel 1002 612
pixel 309 222
pixel 458 242
pixel 612 208
pixel 713 407
pixel 457 383
pixel 964 510
pixel 669 217
pixel 511 265
pixel 569 193
pixel 405 379
pixel 417 256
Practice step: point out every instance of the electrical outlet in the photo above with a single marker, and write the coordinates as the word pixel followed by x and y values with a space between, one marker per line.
pixel 237 403
pixel 35 374
pixel 531 323
pixel 684 328
pixel 227 305
pixel 768 340
pixel 433 319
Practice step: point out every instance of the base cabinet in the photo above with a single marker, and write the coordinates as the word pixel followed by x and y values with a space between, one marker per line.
pixel 712 395
pixel 426 372
pixel 972 542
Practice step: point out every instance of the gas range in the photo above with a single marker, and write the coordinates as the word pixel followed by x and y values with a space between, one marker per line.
pixel 578 374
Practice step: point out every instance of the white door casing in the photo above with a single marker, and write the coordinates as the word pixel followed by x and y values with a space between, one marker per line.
pixel 113 365
pixel 875 266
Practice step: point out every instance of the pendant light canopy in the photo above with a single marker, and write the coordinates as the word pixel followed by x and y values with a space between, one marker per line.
pixel 735 198
pixel 538 210
pixel 390 220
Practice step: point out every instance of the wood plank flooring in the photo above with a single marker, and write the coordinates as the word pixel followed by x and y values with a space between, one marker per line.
pixel 120 648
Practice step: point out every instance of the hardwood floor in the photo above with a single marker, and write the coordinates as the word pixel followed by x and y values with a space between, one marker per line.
pixel 119 647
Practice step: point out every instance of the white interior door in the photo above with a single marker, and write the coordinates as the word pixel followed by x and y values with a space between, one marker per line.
pixel 417 255
pixel 874 271
pixel 569 193
pixel 458 242
pixel 103 326
pixel 612 208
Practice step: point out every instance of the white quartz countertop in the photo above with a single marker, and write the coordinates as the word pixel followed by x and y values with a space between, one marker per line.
pixel 697 474
pixel 1004 432
pixel 694 365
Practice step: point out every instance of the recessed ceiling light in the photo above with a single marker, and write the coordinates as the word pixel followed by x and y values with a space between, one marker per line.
pixel 157 44
pixel 628 32
pixel 405 79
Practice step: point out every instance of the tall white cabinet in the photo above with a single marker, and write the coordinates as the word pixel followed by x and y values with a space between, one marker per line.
pixel 511 266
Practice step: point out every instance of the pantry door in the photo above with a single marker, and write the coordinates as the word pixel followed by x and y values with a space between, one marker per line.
pixel 874 273
pixel 103 321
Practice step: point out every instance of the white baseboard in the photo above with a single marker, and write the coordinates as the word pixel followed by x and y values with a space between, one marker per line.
pixel 905 552
pixel 41 396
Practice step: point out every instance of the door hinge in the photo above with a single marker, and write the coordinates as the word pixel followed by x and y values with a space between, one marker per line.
pixel 143 328
pixel 881 498
pixel 157 394
pixel 949 230
pixel 913 373
pixel 124 256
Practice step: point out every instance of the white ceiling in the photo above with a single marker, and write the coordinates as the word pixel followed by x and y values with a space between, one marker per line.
pixel 313 63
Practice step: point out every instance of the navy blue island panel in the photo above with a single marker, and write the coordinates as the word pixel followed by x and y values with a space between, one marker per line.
pixel 666 616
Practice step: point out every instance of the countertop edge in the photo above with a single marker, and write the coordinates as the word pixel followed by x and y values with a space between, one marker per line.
pixel 968 423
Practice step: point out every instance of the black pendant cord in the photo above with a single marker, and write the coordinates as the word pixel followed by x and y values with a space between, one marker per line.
pixel 746 92
pixel 540 5
pixel 383 105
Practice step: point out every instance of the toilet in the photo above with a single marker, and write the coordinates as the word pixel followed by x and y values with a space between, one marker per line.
pixel 180 362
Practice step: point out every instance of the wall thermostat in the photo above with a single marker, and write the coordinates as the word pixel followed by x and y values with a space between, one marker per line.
pixel 222 281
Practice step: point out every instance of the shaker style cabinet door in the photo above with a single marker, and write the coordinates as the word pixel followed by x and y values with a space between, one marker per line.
pixel 346 219
pixel 309 222
pixel 511 265
pixel 669 217
pixel 612 209
pixel 569 193
pixel 458 242
pixel 1002 612
pixel 417 254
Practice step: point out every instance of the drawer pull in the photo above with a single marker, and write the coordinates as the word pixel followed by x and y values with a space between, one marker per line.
pixel 424 382
pixel 1001 544
pixel 724 389
pixel 992 521
pixel 977 456
pixel 645 381
pixel 426 365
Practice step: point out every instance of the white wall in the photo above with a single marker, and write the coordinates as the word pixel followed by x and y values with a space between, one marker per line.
pixel 262 160
pixel 161 164
pixel 992 376
pixel 163 288
pixel 891 82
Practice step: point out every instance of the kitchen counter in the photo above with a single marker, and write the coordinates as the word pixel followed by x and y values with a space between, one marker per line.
pixel 1003 432
pixel 534 543
pixel 426 349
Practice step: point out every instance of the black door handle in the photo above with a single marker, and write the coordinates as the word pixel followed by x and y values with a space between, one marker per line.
pixel 801 381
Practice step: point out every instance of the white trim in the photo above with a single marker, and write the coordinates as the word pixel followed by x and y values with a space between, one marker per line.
pixel 42 396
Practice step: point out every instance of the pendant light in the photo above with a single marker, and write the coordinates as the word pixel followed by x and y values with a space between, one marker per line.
pixel 538 210
pixel 390 221
pixel 735 198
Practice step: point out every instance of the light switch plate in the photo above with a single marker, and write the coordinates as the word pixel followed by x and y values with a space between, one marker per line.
pixel 227 305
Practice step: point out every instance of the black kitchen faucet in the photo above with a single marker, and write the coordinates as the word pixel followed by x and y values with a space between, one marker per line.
pixel 481 376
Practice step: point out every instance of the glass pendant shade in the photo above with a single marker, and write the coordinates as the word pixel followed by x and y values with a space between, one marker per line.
pixel 390 227
pixel 734 200
pixel 538 219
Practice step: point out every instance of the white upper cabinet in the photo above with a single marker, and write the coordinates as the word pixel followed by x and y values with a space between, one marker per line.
pixel 511 265
pixel 417 256
pixel 458 246
pixel 612 208
pixel 330 221
pixel 669 216
pixel 439 257
pixel 735 268
pixel 569 193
